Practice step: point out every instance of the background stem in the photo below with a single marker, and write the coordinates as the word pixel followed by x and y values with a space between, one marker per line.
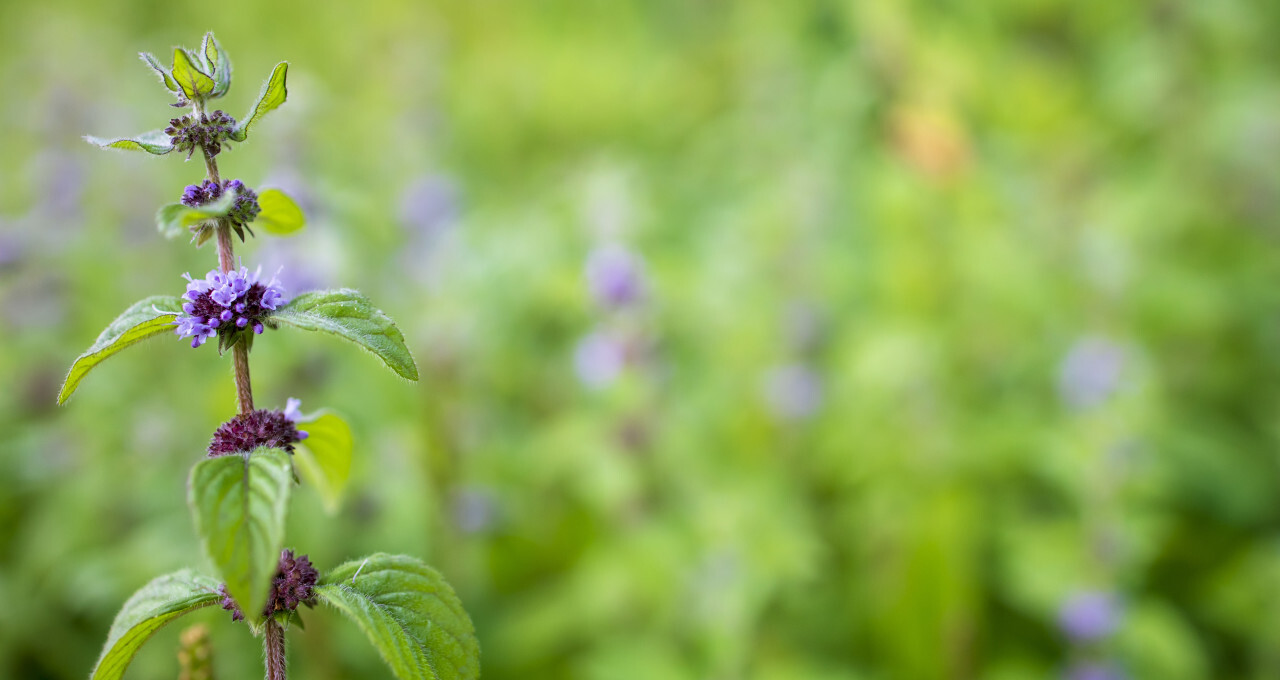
pixel 273 646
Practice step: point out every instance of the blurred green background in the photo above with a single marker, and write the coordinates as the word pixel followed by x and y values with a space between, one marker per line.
pixel 949 315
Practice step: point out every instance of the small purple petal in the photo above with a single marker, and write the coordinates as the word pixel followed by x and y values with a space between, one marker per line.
pixel 242 322
pixel 1089 616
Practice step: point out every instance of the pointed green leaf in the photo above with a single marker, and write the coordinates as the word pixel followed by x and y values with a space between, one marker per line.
pixel 176 218
pixel 272 96
pixel 280 215
pixel 324 457
pixel 409 613
pixel 348 314
pixel 239 503
pixel 140 321
pixel 154 142
pixel 194 82
pixel 157 603
pixel 164 73
pixel 219 64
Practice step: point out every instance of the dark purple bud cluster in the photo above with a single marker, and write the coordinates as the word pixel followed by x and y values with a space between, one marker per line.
pixel 248 431
pixel 293 585
pixel 243 210
pixel 210 132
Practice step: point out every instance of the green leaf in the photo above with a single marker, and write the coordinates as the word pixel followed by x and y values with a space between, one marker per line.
pixel 176 218
pixel 409 613
pixel 164 73
pixel 157 603
pixel 154 142
pixel 239 503
pixel 272 96
pixel 196 84
pixel 324 457
pixel 219 64
pixel 280 215
pixel 140 321
pixel 348 314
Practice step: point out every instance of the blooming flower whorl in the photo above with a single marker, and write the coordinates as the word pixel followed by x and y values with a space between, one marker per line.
pixel 208 133
pixel 294 584
pixel 224 304
pixel 248 431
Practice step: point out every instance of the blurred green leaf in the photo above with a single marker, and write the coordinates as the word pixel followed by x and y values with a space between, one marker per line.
pixel 324 457
pixel 154 142
pixel 280 214
pixel 348 314
pixel 194 82
pixel 272 96
pixel 239 504
pixel 140 321
pixel 164 72
pixel 409 613
pixel 154 605
pixel 176 218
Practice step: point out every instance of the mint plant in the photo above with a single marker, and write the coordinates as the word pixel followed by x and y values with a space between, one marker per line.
pixel 239 493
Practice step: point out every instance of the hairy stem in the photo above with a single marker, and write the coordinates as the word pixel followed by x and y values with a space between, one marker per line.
pixel 226 262
pixel 273 646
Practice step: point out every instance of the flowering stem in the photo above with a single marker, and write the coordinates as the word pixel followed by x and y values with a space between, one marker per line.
pixel 226 262
pixel 273 646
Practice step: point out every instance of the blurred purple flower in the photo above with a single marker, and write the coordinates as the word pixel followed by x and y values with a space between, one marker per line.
pixel 429 205
pixel 62 182
pixel 615 276
pixel 1091 372
pixel 599 358
pixel 1093 670
pixel 793 392
pixel 1089 616
pixel 474 510
pixel 10 247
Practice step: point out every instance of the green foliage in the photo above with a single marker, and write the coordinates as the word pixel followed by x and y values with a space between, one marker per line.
pixel 165 76
pixel 175 218
pixel 154 605
pixel 239 503
pixel 280 214
pixel 271 97
pixel 155 142
pixel 348 314
pixel 219 64
pixel 409 613
pixel 195 84
pixel 324 457
pixel 143 319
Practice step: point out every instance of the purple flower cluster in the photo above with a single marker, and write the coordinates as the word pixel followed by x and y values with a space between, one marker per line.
pixel 226 304
pixel 210 132
pixel 294 584
pixel 243 210
pixel 248 431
